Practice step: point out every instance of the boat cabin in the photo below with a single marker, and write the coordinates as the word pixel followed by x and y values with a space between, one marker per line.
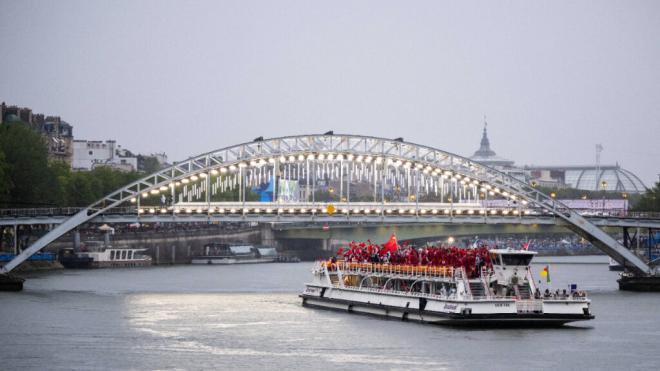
pixel 510 267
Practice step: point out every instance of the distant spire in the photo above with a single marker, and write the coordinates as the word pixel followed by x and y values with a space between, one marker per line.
pixel 484 148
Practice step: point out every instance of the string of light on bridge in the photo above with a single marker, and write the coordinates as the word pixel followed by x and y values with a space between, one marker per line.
pixel 416 188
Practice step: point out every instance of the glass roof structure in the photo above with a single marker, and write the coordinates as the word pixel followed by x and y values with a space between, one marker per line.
pixel 608 178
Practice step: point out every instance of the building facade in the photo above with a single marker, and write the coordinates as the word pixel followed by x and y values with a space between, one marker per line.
pixel 588 178
pixel 58 134
pixel 89 154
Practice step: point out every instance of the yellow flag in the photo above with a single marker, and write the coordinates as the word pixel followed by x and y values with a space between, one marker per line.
pixel 331 209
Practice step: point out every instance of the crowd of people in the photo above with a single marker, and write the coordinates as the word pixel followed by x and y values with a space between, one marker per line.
pixel 547 244
pixel 559 295
pixel 392 253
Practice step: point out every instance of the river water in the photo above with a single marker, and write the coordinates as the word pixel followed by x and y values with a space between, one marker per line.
pixel 250 317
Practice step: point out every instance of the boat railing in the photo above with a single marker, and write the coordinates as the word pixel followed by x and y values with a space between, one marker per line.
pixel 419 294
pixel 391 269
pixel 398 292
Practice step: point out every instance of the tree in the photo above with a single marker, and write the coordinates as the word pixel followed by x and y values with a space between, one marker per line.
pixel 5 182
pixel 649 201
pixel 26 156
pixel 148 164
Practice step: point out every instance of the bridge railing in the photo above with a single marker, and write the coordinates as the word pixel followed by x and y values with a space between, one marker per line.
pixel 415 209
pixel 58 211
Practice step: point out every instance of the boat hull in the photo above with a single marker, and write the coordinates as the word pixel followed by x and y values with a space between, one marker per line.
pixel 90 263
pixel 229 261
pixel 9 282
pixel 634 283
pixel 76 262
pixel 446 319
pixel 121 264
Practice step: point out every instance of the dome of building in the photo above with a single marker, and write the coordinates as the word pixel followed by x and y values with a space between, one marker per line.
pixel 608 178
pixel 12 118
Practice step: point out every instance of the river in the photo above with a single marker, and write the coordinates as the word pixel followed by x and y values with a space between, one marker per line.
pixel 250 317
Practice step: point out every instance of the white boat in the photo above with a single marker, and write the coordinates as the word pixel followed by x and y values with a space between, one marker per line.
pixel 99 256
pixel 506 295
pixel 218 253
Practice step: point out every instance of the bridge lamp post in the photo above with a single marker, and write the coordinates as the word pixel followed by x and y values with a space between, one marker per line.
pixel 603 185
pixel 553 195
pixel 451 207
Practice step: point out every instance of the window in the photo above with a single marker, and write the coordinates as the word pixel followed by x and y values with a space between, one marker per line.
pixel 123 255
pixel 91 153
pixel 130 255
pixel 112 254
pixel 516 259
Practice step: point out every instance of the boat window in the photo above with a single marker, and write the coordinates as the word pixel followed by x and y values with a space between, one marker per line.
pixel 516 259
pixel 130 254
pixel 112 254
pixel 123 255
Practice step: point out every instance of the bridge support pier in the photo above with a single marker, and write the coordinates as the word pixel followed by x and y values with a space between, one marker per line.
pixel 15 239
pixel 267 235
pixel 76 240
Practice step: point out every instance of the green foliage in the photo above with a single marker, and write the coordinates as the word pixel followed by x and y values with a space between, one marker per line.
pixel 83 188
pixel 5 182
pixel 649 201
pixel 148 164
pixel 29 179
pixel 326 196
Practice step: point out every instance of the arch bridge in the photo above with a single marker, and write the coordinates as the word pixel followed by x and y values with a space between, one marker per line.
pixel 327 178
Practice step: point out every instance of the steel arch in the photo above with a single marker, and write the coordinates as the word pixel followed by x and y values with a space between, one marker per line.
pixel 424 161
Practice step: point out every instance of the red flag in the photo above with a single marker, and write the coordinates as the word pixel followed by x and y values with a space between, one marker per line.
pixel 390 245
pixel 525 246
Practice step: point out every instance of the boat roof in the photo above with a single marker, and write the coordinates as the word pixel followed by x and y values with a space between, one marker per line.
pixel 512 251
pixel 267 250
pixel 241 249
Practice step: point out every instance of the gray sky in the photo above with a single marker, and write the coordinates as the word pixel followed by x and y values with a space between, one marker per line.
pixel 186 77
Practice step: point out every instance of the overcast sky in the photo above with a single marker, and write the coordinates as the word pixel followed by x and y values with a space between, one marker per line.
pixel 554 78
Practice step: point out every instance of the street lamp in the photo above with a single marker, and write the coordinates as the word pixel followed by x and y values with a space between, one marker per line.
pixel 603 185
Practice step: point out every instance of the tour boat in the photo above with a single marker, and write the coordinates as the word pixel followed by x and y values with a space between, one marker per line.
pixel 98 256
pixel 502 294
pixel 221 253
